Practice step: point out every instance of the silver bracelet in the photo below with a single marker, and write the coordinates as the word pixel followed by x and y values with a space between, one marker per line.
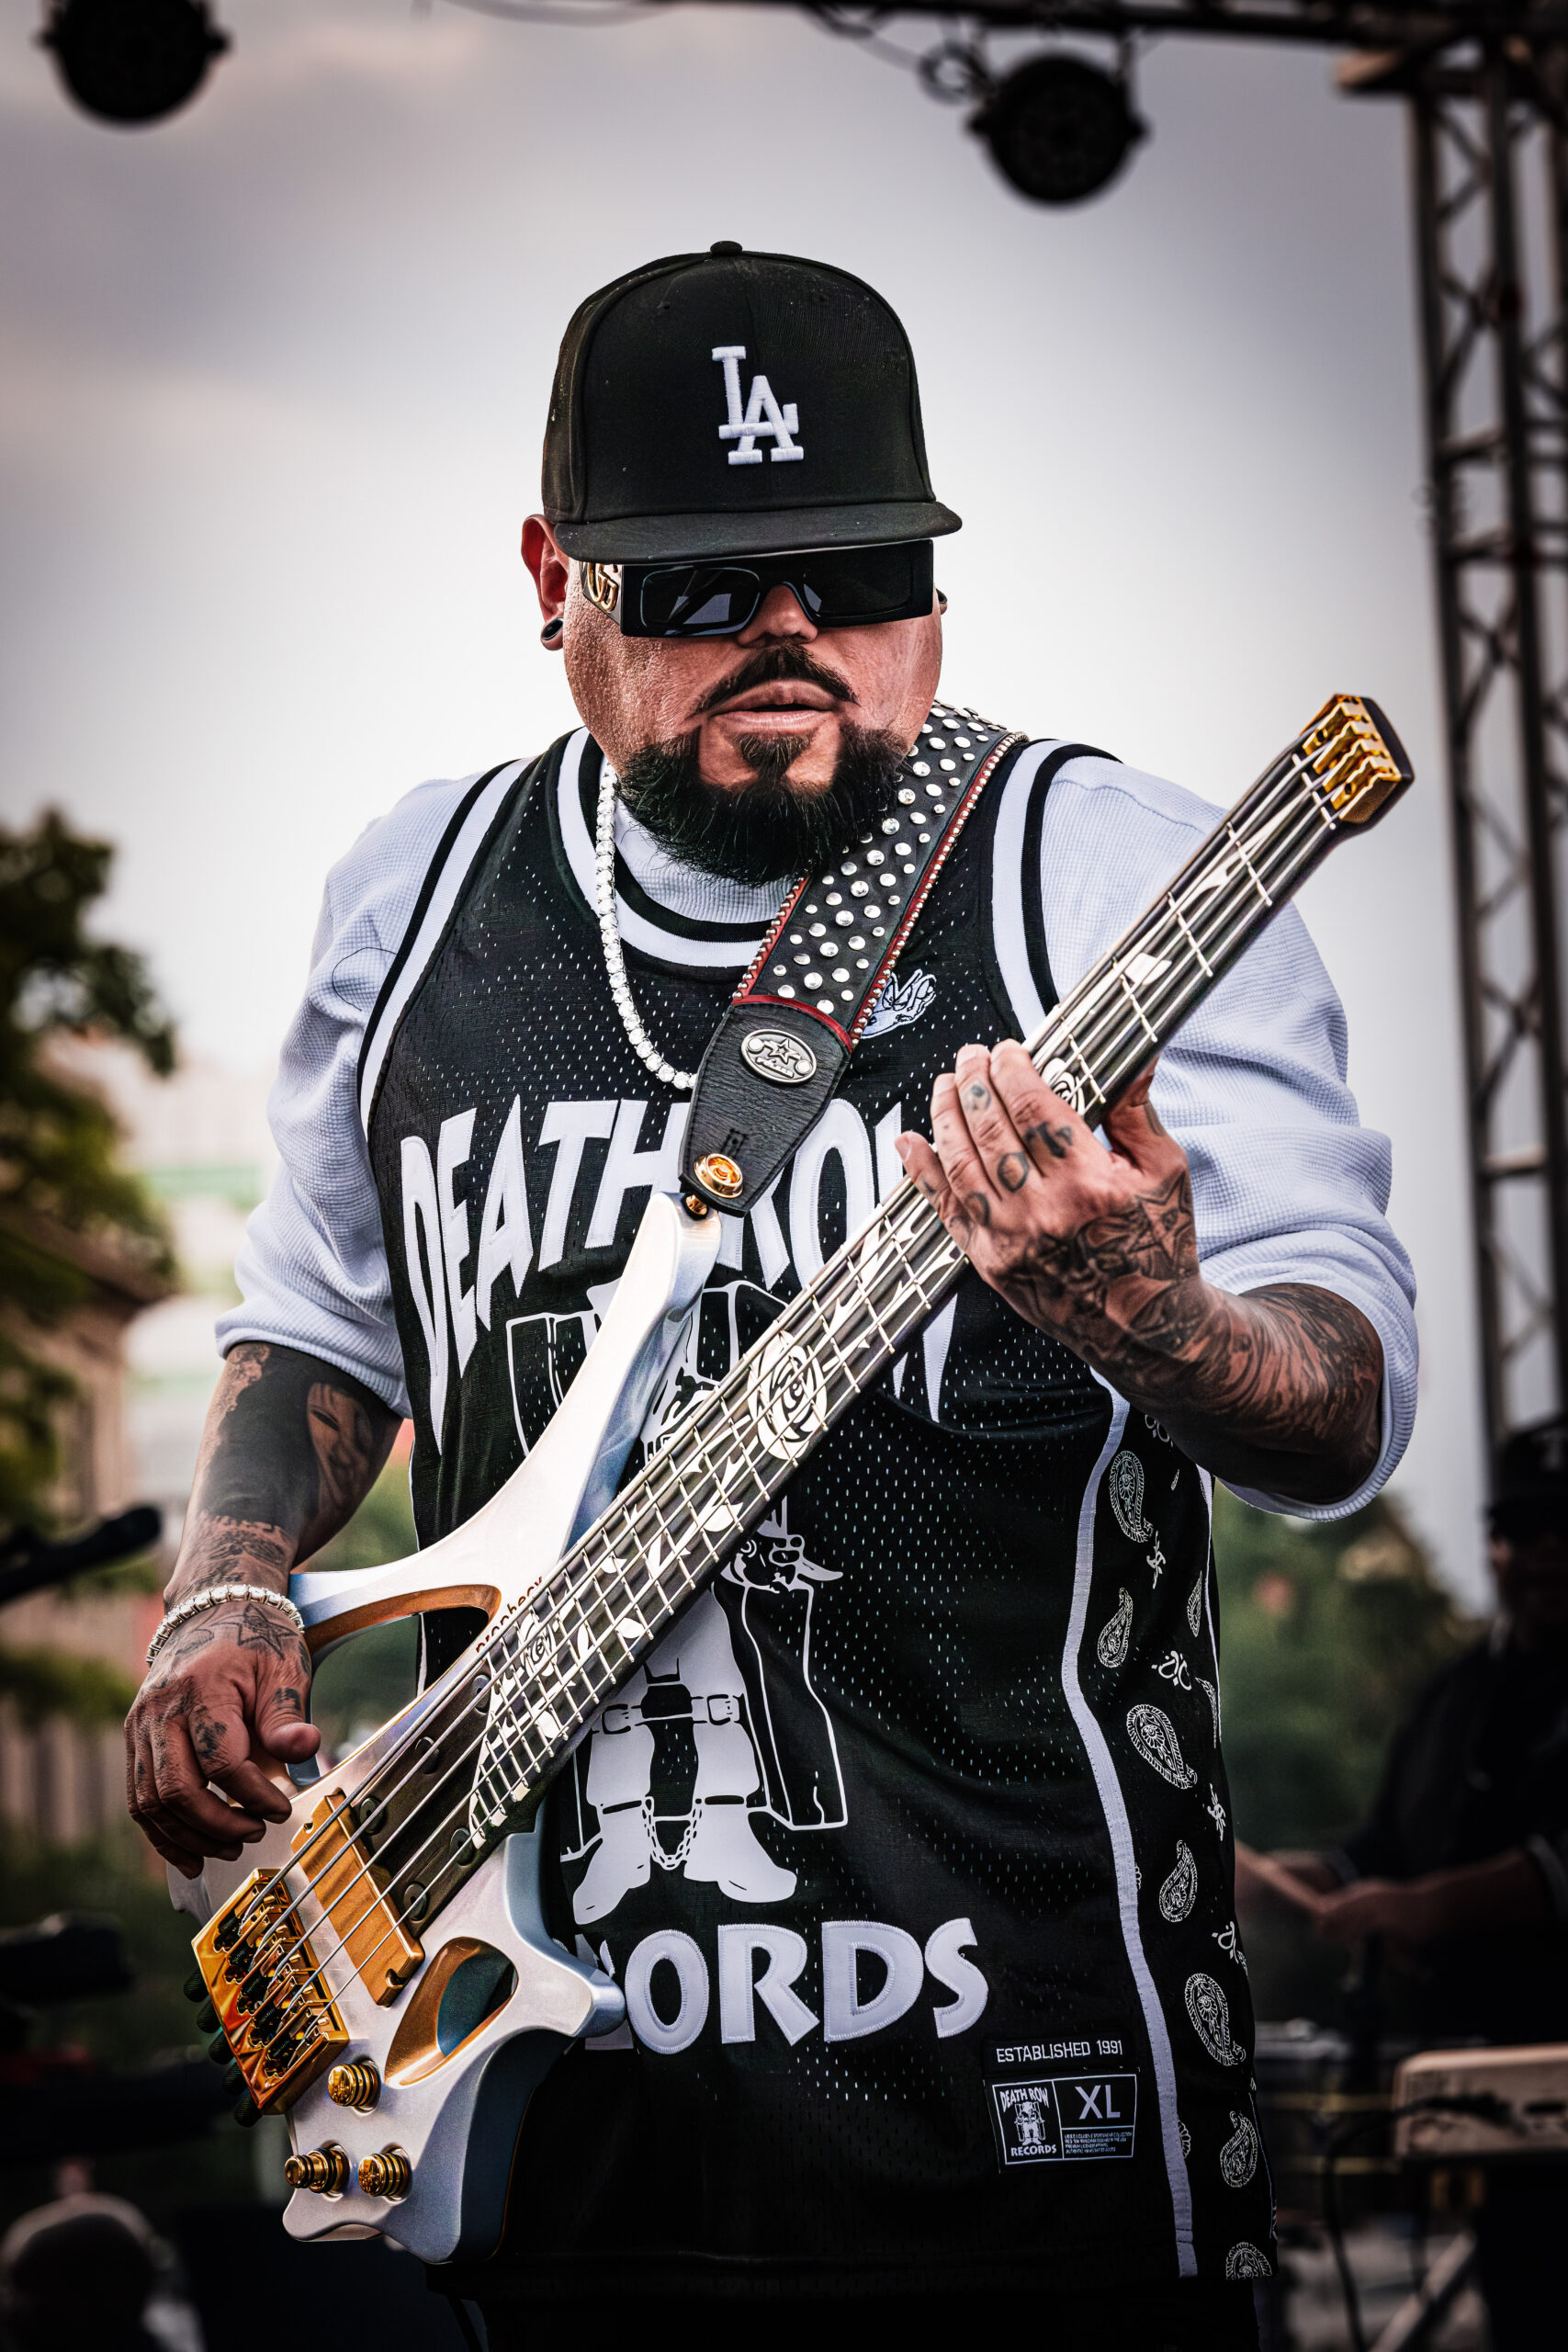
pixel 214 1597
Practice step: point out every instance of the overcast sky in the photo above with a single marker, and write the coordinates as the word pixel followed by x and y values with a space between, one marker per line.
pixel 272 389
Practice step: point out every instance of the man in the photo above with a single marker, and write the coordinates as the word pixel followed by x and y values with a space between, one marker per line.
pixel 909 1844
pixel 1462 1862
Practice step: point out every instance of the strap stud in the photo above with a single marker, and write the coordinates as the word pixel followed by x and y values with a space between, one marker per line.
pixel 720 1176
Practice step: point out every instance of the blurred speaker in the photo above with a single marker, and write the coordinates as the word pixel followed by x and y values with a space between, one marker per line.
pixel 132 61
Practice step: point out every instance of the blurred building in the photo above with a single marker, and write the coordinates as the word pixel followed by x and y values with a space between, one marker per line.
pixel 144 1365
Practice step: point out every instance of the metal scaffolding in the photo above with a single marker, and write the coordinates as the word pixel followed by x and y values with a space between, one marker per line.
pixel 1486 92
pixel 1491 187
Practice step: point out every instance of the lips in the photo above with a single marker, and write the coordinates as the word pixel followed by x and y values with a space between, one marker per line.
pixel 788 699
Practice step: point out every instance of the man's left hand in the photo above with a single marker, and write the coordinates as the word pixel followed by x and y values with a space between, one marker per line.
pixel 1278 1389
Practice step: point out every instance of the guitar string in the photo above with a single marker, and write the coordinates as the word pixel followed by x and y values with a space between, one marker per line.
pixel 674 1467
pixel 852 1387
pixel 1277 867
pixel 548 1691
pixel 1241 833
pixel 420 1733
pixel 400 1919
pixel 828 1301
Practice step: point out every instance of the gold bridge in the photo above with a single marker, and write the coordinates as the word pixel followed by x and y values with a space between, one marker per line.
pixel 265 1975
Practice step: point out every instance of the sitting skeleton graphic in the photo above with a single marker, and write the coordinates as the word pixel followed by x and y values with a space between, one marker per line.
pixel 740 1759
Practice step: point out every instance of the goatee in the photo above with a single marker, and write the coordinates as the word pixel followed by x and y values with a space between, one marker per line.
pixel 766 830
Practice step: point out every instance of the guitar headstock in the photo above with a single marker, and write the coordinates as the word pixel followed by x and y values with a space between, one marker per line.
pixel 1359 760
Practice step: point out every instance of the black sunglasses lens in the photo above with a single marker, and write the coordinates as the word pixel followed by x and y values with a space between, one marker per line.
pixel 868 583
pixel 697 600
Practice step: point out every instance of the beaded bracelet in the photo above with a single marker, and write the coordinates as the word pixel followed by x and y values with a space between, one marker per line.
pixel 214 1599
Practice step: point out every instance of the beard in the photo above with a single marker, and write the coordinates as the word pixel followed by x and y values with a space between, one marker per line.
pixel 768 830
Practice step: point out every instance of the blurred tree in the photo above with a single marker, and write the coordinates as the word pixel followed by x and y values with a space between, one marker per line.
pixel 61 1188
pixel 1326 1635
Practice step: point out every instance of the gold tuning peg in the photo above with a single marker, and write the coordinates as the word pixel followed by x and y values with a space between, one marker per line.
pixel 324 2170
pixel 388 2174
pixel 357 2085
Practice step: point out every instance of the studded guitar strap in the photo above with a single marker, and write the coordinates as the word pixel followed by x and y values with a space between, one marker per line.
pixel 782 1048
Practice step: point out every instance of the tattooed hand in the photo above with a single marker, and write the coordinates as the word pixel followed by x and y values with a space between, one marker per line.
pixel 290 1448
pixel 1277 1389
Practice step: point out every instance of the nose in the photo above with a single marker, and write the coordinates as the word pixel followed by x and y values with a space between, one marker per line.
pixel 780 614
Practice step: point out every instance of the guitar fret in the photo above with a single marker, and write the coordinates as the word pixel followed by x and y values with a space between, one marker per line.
pixel 1187 934
pixel 1247 863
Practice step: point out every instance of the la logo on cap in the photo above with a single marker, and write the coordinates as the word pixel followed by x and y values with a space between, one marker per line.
pixel 761 414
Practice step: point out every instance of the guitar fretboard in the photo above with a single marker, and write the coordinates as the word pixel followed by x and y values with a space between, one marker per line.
pixel 554 1660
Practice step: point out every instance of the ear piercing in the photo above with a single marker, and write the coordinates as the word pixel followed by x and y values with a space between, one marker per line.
pixel 552 633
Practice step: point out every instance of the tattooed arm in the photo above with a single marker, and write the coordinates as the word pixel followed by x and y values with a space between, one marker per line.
pixel 1277 1389
pixel 290 1448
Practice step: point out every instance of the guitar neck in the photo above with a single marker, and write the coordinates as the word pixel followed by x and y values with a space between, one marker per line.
pixel 682 1516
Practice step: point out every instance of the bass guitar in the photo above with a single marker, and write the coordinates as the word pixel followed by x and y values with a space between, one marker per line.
pixel 384 1975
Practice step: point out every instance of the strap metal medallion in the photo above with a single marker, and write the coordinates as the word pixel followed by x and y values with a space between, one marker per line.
pixel 777 1057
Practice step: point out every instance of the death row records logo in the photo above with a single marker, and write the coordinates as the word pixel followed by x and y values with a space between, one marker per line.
pixel 1071 2118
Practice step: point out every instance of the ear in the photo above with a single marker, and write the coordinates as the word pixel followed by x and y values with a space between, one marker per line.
pixel 550 567
pixel 940 601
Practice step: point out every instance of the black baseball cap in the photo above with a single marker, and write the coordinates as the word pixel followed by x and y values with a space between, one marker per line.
pixel 735 404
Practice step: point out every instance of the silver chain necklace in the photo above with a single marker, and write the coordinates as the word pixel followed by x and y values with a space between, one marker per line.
pixel 641 1043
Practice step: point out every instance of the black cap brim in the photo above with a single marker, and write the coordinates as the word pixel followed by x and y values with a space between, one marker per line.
pixel 673 538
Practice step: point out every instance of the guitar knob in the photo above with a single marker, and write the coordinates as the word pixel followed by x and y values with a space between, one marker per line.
pixel 324 2170
pixel 388 2175
pixel 358 2085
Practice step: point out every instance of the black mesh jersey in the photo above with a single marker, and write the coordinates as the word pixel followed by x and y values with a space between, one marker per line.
pixel 908 1845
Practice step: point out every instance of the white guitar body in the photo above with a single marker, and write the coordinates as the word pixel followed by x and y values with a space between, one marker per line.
pixel 453 2090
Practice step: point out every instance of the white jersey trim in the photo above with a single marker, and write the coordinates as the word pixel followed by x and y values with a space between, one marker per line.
pixel 1007 896
pixel 449 883
pixel 669 946
pixel 1119 1830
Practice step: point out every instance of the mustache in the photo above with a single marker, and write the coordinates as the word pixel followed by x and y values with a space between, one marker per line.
pixel 773 665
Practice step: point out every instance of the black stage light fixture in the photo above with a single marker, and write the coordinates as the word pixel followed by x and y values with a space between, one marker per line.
pixel 1060 128
pixel 132 61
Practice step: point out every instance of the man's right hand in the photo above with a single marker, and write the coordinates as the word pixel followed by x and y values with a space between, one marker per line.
pixel 291 1448
pixel 224 1696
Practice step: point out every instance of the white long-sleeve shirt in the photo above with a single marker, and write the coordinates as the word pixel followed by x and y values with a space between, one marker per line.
pixel 1287 1185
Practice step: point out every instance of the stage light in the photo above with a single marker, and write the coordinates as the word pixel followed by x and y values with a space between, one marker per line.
pixel 1059 129
pixel 132 61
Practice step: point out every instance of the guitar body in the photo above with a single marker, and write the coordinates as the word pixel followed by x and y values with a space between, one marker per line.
pixel 460 2045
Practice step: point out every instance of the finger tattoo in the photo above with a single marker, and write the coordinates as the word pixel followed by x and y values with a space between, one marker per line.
pixel 1012 1170
pixel 1058 1141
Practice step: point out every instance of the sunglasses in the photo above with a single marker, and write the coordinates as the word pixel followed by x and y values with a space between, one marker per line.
pixel 835 587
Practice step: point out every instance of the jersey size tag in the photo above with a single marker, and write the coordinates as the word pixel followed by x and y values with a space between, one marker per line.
pixel 1063 2118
